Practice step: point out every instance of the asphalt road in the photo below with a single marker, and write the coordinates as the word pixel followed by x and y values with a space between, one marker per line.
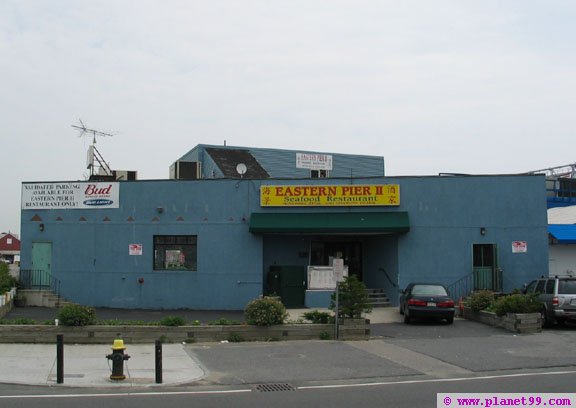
pixel 393 393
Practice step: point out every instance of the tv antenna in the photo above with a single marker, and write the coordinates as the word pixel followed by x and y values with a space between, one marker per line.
pixel 94 158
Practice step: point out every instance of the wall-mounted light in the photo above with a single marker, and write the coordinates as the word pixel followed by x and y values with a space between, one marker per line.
pixel 482 231
pixel 159 210
pixel 41 227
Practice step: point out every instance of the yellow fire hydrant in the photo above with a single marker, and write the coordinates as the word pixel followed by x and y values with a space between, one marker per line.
pixel 118 357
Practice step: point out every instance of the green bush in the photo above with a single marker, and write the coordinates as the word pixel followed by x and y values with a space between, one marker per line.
pixel 235 338
pixel 223 322
pixel 172 321
pixel 265 311
pixel 324 336
pixel 18 321
pixel 7 281
pixel 517 303
pixel 118 322
pixel 352 298
pixel 76 315
pixel 318 317
pixel 480 300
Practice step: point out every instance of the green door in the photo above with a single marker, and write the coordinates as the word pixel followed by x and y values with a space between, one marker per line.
pixel 290 283
pixel 487 274
pixel 41 264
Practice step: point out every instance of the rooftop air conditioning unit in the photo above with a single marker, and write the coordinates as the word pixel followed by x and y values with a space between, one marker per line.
pixel 125 175
pixel 185 170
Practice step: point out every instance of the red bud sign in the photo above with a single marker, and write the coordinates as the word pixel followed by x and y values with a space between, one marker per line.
pixel 73 195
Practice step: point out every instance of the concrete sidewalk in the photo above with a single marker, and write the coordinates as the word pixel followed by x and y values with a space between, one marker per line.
pixel 87 365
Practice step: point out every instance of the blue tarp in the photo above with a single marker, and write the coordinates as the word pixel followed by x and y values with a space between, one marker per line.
pixel 563 233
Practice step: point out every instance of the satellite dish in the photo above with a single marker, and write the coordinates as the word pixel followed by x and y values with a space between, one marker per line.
pixel 241 169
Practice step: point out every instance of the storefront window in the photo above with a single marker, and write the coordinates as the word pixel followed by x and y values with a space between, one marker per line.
pixel 175 252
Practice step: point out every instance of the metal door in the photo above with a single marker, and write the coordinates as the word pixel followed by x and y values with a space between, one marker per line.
pixel 288 282
pixel 487 274
pixel 41 265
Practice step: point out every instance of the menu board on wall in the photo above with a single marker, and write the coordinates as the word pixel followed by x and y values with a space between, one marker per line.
pixel 324 277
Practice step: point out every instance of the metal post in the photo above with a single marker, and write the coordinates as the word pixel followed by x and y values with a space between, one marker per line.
pixel 59 359
pixel 158 355
pixel 337 312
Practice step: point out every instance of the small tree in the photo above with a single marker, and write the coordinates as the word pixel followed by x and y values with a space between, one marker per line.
pixel 352 298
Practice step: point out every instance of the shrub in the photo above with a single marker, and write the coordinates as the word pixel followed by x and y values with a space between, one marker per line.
pixel 235 338
pixel 517 303
pixel 18 321
pixel 480 300
pixel 118 322
pixel 172 321
pixel 352 298
pixel 223 322
pixel 324 336
pixel 265 312
pixel 318 317
pixel 76 315
pixel 7 281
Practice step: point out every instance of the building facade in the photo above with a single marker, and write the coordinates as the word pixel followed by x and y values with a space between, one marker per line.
pixel 9 247
pixel 234 223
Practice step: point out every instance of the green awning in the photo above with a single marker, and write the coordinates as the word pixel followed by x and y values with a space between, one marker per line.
pixel 351 223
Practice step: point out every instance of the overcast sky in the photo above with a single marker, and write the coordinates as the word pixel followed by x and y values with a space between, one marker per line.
pixel 479 86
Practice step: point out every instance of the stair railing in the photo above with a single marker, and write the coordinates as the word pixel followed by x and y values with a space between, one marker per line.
pixel 388 277
pixel 39 279
pixel 462 287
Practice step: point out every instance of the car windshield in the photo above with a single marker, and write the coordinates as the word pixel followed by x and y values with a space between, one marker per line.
pixel 567 287
pixel 428 290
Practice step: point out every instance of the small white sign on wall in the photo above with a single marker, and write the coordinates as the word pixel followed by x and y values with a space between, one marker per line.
pixel 519 247
pixel 135 249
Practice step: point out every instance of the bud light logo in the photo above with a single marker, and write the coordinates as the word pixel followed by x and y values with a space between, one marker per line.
pixel 98 202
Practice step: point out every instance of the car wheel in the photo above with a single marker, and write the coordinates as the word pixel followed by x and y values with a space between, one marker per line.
pixel 406 317
pixel 545 320
pixel 401 310
pixel 450 320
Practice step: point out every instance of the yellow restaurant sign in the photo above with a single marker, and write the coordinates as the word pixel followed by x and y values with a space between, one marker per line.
pixel 332 195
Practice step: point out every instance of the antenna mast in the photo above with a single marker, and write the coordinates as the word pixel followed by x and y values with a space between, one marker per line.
pixel 93 153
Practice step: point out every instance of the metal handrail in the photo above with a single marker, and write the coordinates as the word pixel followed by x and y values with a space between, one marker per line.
pixel 388 277
pixel 462 287
pixel 39 279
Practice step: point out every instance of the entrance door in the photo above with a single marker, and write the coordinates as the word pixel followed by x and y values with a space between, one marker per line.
pixel 41 265
pixel 288 282
pixel 487 274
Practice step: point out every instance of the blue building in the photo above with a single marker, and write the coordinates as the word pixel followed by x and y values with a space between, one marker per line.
pixel 235 223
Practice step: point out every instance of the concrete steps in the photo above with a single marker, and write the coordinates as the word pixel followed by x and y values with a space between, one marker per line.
pixel 42 298
pixel 378 298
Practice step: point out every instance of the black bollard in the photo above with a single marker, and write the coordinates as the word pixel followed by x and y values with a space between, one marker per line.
pixel 59 359
pixel 158 355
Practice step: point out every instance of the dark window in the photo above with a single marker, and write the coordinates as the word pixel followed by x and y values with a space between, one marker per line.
pixel 175 252
pixel 567 287
pixel 531 286
pixel 483 255
pixel 318 173
pixel 550 286
pixel 540 286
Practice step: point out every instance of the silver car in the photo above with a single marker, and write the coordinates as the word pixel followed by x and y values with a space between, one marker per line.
pixel 558 296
